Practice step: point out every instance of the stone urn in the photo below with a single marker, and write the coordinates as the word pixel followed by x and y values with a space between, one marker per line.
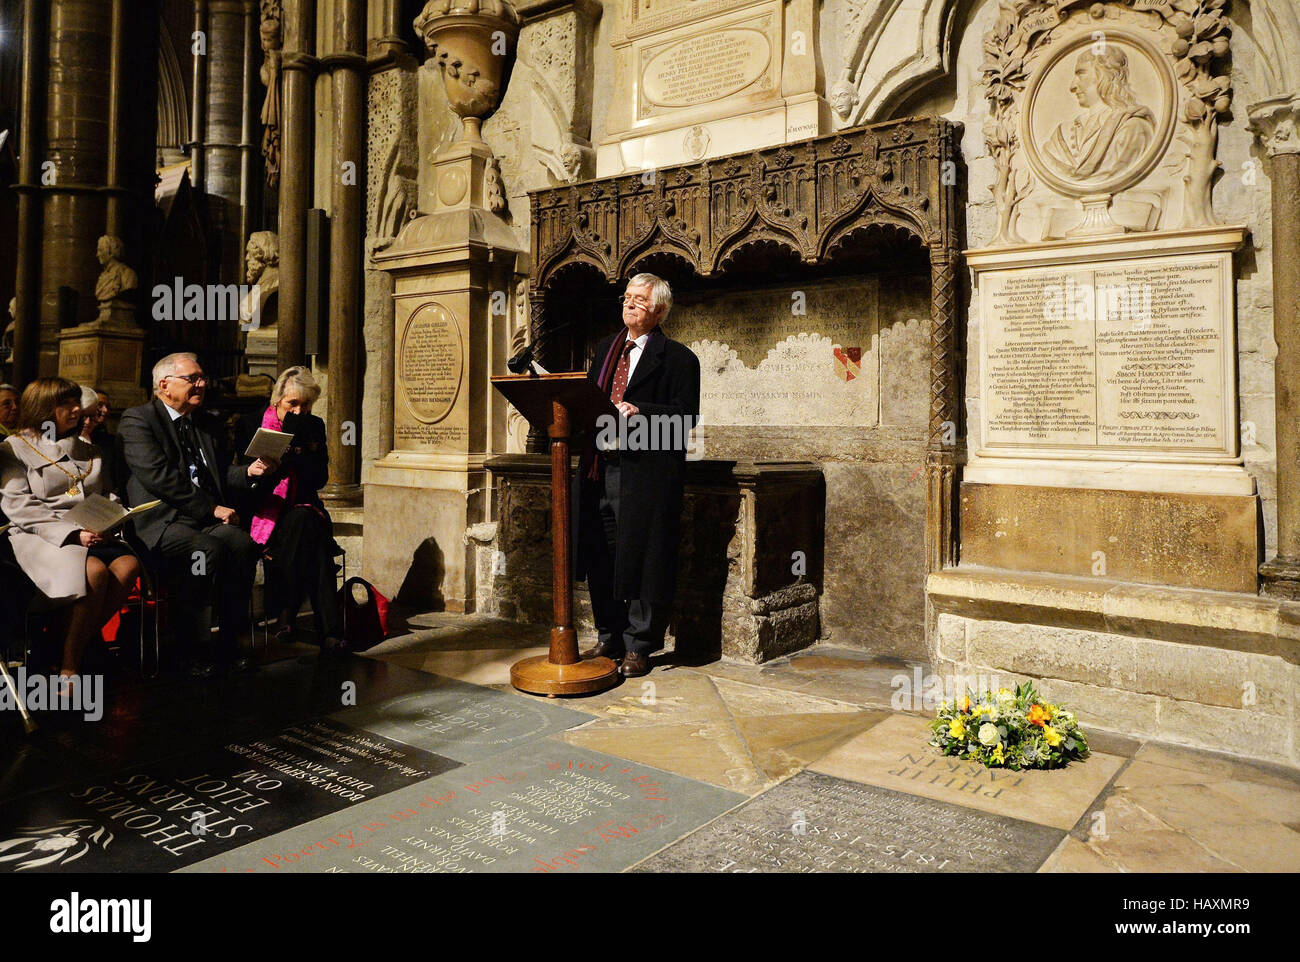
pixel 474 44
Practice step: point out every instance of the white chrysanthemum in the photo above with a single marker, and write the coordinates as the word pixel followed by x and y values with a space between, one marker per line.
pixel 988 734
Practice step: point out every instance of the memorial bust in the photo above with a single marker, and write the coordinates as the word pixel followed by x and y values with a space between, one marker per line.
pixel 1111 131
pixel 116 279
pixel 262 259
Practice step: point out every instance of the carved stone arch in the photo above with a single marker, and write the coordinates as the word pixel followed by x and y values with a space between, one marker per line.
pixel 885 72
pixel 173 106
pixel 872 211
pixel 748 235
pixel 655 241
pixel 565 260
pixel 841 241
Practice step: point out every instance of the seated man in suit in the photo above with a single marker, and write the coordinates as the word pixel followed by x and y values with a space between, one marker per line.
pixel 174 453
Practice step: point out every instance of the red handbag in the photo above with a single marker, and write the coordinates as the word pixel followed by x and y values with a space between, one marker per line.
pixel 365 623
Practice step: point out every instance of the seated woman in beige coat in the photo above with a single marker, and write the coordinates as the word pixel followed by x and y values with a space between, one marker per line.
pixel 41 480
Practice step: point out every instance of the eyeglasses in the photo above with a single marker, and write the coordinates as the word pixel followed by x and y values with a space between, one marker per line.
pixel 195 379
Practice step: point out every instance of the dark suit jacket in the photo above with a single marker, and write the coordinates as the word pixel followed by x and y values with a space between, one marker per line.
pixel 151 451
pixel 666 382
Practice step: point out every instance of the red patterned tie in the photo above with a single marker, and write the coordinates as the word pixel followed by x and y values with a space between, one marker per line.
pixel 620 373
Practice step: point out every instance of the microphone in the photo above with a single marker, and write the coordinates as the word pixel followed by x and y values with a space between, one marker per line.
pixel 523 361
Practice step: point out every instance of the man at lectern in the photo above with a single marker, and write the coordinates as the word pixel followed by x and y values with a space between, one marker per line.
pixel 631 478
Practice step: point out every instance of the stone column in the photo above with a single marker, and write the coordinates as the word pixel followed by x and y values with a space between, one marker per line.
pixel 347 66
pixel 27 329
pixel 116 219
pixel 940 456
pixel 199 102
pixel 224 147
pixel 298 104
pixel 76 144
pixel 1277 124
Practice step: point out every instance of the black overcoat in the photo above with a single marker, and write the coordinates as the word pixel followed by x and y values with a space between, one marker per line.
pixel 666 382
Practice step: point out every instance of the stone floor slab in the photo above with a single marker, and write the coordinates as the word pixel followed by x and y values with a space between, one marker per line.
pixel 464 722
pixel 1073 856
pixel 144 820
pixel 1159 851
pixel 818 823
pixel 548 808
pixel 895 754
pixel 1256 846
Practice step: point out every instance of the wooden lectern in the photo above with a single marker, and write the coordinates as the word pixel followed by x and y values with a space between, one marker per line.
pixel 561 405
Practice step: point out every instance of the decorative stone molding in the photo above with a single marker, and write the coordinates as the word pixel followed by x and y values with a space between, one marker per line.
pixel 1276 123
pixel 879 72
pixel 1145 76
pixel 272 35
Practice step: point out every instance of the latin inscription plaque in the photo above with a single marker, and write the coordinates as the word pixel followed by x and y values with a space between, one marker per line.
pixel 706 67
pixel 1123 356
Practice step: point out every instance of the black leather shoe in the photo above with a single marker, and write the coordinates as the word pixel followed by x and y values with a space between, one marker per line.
pixel 634 665
pixel 605 649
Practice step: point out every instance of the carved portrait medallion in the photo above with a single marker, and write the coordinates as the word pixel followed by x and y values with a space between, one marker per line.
pixel 1098 114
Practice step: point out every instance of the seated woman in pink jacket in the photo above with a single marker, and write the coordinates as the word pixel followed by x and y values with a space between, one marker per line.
pixel 291 522
pixel 46 470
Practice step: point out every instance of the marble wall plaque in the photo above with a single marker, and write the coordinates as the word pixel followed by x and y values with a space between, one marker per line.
pixel 546 809
pixel 147 818
pixel 705 67
pixel 817 823
pixel 1114 356
pixel 432 363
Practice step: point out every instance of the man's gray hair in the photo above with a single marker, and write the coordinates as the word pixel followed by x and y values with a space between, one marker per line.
pixel 297 380
pixel 661 295
pixel 9 387
pixel 167 366
pixel 89 398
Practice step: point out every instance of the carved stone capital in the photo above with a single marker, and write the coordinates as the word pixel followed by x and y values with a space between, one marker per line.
pixel 1276 124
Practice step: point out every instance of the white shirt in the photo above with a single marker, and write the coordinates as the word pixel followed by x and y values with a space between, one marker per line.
pixel 194 471
pixel 637 351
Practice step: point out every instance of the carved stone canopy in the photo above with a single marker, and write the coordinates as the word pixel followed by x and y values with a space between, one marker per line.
pixel 805 197
pixel 811 200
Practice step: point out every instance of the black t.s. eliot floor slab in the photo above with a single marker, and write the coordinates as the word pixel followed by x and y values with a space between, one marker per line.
pixel 819 823
pixel 171 812
pixel 148 720
pixel 546 807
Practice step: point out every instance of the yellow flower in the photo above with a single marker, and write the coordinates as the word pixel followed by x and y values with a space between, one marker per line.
pixel 1051 711
pixel 983 709
pixel 1051 736
pixel 956 729
pixel 998 757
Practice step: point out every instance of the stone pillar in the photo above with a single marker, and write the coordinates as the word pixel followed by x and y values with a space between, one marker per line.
pixel 1277 124
pixel 448 268
pixel 76 144
pixel 199 103
pixel 298 104
pixel 116 214
pixel 347 66
pixel 27 329
pixel 230 26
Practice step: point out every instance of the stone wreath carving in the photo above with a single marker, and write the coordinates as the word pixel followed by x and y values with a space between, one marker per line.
pixel 1144 72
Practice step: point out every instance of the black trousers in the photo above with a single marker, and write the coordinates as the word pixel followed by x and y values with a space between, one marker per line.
pixel 301 555
pixel 211 567
pixel 633 624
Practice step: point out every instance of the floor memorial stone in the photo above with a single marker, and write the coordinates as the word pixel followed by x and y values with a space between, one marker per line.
pixel 462 721
pixel 164 815
pixel 895 754
pixel 817 823
pixel 547 808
